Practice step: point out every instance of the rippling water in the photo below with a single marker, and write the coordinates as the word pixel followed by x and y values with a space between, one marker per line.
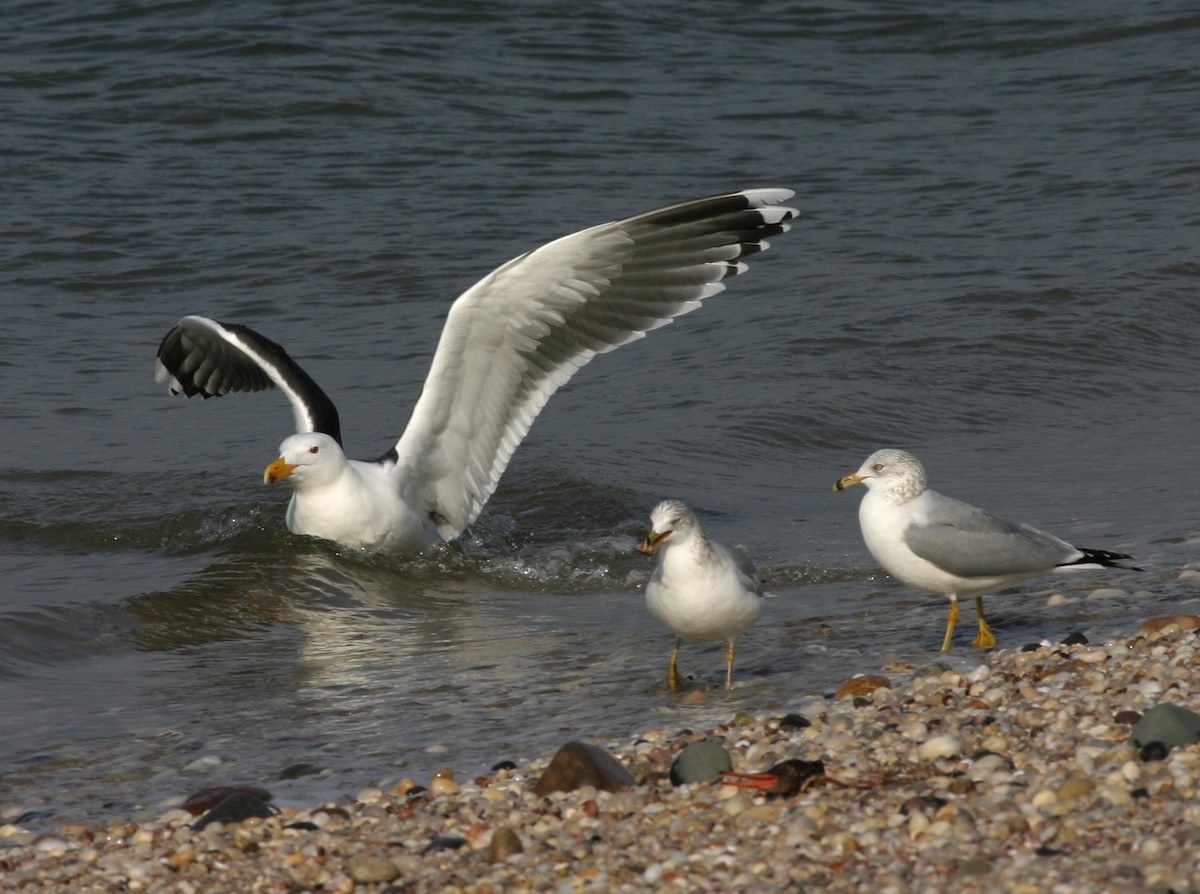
pixel 997 268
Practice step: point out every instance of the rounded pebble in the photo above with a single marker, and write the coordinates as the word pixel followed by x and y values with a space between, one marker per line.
pixel 939 747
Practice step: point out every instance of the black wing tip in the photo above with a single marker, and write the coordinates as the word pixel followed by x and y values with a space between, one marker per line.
pixel 766 216
pixel 1105 559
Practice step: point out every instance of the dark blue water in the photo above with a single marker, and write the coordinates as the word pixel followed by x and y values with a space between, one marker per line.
pixel 998 267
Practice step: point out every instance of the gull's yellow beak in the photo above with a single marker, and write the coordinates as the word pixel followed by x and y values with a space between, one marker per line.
pixel 277 470
pixel 847 481
pixel 652 542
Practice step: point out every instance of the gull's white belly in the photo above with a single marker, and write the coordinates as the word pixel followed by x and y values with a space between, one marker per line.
pixel 702 606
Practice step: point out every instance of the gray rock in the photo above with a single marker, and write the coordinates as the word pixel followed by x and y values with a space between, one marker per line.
pixel 700 762
pixel 1171 725
pixel 237 807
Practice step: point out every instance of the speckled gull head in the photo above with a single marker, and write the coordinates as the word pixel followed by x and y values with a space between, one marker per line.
pixel 896 474
pixel 669 519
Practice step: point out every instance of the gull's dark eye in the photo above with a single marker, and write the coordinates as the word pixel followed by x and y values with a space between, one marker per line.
pixel 314 449
pixel 878 467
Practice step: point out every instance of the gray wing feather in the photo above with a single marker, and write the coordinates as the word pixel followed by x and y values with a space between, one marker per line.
pixel 746 569
pixel 969 542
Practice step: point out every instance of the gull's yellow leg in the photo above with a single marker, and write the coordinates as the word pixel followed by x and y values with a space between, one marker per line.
pixel 985 640
pixel 729 666
pixel 673 668
pixel 950 622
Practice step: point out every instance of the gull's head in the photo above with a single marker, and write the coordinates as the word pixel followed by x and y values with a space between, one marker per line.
pixel 306 459
pixel 897 473
pixel 671 519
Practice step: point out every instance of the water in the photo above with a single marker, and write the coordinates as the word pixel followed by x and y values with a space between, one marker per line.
pixel 997 268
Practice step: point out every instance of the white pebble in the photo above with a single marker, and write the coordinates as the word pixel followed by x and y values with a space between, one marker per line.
pixel 1057 599
pixel 939 746
pixel 1107 593
pixel 203 763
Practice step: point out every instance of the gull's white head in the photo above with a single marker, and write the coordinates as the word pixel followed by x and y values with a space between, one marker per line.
pixel 306 460
pixel 897 473
pixel 671 520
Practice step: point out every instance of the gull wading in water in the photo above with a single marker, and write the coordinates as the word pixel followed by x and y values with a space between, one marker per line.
pixel 950 548
pixel 510 341
pixel 701 589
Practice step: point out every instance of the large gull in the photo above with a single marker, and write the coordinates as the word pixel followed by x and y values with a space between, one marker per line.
pixel 701 589
pixel 509 342
pixel 950 548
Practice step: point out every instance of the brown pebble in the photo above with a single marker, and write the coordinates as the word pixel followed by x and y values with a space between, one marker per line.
pixel 1127 717
pixel 591 808
pixel 368 868
pixel 404 786
pixel 960 786
pixel 208 798
pixel 1160 625
pixel 1075 787
pixel 441 785
pixel 862 686
pixel 578 764
pixel 505 843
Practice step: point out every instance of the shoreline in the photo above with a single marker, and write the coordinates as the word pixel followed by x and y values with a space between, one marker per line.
pixel 1017 775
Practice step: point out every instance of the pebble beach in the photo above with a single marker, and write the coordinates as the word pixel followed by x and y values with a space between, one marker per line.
pixel 1022 774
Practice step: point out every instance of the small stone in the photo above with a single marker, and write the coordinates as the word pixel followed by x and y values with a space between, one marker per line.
pixel 794 721
pixel 405 786
pixel 1127 717
pixel 973 866
pixel 370 868
pixel 445 843
pixel 1044 798
pixel 234 809
pixel 442 785
pixel 1075 787
pixel 577 764
pixel 700 762
pixel 1169 724
pixel 760 813
pixel 1154 751
pixel 939 746
pixel 505 843
pixel 862 686
pixel 1170 624
pixel 1074 639
pixel 208 798
pixel 926 804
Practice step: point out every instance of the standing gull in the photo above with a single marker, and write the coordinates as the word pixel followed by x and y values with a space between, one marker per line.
pixel 510 341
pixel 950 548
pixel 701 589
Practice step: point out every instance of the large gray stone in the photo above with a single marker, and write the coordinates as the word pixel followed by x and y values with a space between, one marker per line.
pixel 1171 725
pixel 700 762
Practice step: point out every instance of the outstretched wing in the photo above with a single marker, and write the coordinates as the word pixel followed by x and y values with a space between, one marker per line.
pixel 516 336
pixel 211 359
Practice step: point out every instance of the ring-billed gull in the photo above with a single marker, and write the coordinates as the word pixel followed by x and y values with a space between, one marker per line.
pixel 950 548
pixel 701 589
pixel 510 341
